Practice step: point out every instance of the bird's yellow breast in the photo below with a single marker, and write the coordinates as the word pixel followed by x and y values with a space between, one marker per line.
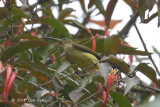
pixel 81 58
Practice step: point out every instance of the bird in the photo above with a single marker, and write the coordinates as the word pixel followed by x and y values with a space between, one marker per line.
pixel 82 56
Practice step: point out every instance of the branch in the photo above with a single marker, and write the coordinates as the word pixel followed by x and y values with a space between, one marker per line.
pixel 151 17
pixel 151 88
pixel 90 96
pixel 145 48
pixel 127 27
pixel 31 83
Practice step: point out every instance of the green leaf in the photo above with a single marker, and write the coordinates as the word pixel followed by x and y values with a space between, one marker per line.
pixel 15 94
pixel 47 11
pixel 36 56
pixel 99 44
pixel 104 68
pixel 3 11
pixel 119 63
pixel 109 12
pixel 111 45
pixel 19 47
pixel 83 5
pixel 28 36
pixel 100 104
pixel 148 71
pixel 64 13
pixel 131 51
pixel 88 103
pixel 150 4
pixel 121 100
pixel 23 82
pixel 129 2
pixel 59 26
pixel 37 69
pixel 74 23
pixel 5 23
pixel 91 3
pixel 130 82
pixel 142 9
pixel 89 79
pixel 158 16
pixel 64 66
pixel 99 5
pixel 156 51
pixel 20 12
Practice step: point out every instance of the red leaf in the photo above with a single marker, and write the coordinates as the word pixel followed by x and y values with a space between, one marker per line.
pixel 102 23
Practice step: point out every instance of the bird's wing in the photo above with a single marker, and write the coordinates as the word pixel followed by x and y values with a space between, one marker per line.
pixel 86 49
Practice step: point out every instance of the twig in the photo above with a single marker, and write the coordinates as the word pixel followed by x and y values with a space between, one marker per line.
pixel 31 83
pixel 89 40
pixel 127 27
pixel 90 96
pixel 145 48
pixel 64 76
pixel 151 88
pixel 151 17
pixel 58 79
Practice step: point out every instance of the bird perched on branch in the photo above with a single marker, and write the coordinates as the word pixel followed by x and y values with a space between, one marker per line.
pixel 84 57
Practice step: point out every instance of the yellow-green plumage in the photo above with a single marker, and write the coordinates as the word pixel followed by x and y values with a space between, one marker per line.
pixel 81 55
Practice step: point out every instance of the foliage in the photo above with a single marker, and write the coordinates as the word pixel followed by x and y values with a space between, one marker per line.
pixel 44 77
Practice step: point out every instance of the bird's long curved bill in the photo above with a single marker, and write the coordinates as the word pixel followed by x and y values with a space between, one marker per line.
pixel 51 38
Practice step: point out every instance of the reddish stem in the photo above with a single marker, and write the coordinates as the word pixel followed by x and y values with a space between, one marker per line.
pixel 3 2
pixel 134 4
